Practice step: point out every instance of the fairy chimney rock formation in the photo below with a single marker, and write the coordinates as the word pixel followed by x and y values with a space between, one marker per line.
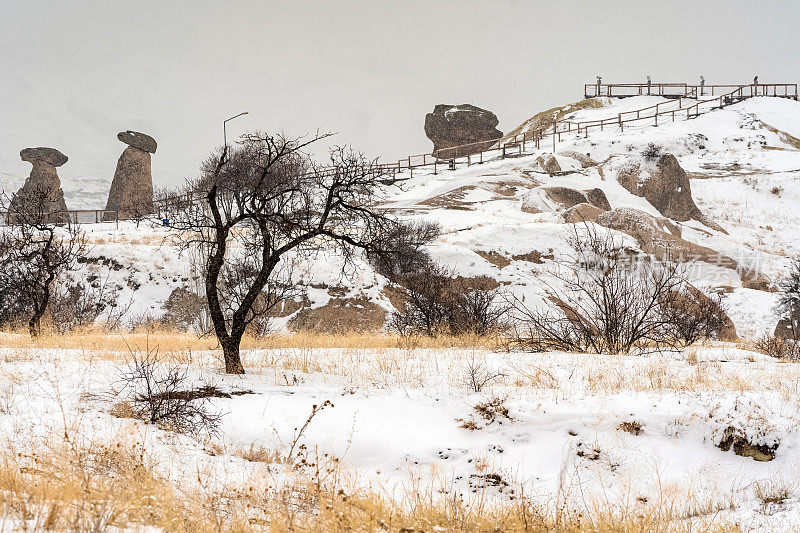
pixel 457 125
pixel 41 194
pixel 131 190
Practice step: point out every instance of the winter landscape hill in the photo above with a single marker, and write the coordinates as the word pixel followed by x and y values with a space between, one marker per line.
pixel 504 218
pixel 699 438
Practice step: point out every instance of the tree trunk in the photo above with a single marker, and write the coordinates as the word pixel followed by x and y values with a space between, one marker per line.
pixel 34 327
pixel 230 352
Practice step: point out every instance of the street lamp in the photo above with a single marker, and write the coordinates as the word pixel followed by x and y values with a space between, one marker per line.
pixel 224 123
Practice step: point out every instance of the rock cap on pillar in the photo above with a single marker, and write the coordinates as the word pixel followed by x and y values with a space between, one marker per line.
pixel 139 140
pixel 50 156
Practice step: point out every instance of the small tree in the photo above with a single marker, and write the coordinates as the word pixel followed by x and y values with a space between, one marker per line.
pixel 34 251
pixel 262 204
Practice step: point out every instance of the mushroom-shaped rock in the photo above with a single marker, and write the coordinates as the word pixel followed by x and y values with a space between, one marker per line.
pixel 131 193
pixel 457 125
pixel 41 196
pixel 142 141
pixel 51 156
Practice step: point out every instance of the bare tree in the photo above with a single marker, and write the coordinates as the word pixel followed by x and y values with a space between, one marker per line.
pixel 262 204
pixel 35 250
pixel 603 299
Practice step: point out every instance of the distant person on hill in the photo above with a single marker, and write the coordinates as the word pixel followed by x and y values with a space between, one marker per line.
pixel 648 85
pixel 755 82
pixel 599 79
pixel 702 85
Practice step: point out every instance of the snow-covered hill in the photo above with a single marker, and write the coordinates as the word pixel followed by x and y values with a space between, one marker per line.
pixel 743 163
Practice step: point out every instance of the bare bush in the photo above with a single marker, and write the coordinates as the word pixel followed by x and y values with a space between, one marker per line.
pixel 437 302
pixel 77 304
pixel 160 393
pixel 477 375
pixel 689 315
pixel 402 251
pixel 652 152
pixel 778 347
pixel 605 299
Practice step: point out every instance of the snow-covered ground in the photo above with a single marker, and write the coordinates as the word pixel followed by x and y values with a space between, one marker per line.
pixel 576 430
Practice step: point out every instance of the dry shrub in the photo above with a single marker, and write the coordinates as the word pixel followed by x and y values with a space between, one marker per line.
pixel 778 347
pixel 160 393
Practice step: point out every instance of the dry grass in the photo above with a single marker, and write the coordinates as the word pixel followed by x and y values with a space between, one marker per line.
pixel 98 486
pixel 170 341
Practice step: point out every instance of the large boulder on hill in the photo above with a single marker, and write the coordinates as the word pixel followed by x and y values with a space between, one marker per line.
pixel 458 125
pixel 41 196
pixel 131 190
pixel 662 182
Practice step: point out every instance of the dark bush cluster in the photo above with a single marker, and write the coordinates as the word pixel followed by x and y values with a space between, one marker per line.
pixel 435 301
pixel 652 152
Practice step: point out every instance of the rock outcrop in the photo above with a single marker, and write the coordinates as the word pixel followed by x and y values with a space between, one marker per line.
pixel 787 327
pixel 662 239
pixel 41 196
pixel 131 190
pixel 664 184
pixel 584 159
pixel 582 213
pixel 569 198
pixel 598 199
pixel 456 125
pixel 548 163
pixel 565 196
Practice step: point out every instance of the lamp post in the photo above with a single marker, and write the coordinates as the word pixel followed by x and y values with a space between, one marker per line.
pixel 225 123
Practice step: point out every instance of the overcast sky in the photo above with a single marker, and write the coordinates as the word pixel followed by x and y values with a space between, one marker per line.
pixel 74 73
